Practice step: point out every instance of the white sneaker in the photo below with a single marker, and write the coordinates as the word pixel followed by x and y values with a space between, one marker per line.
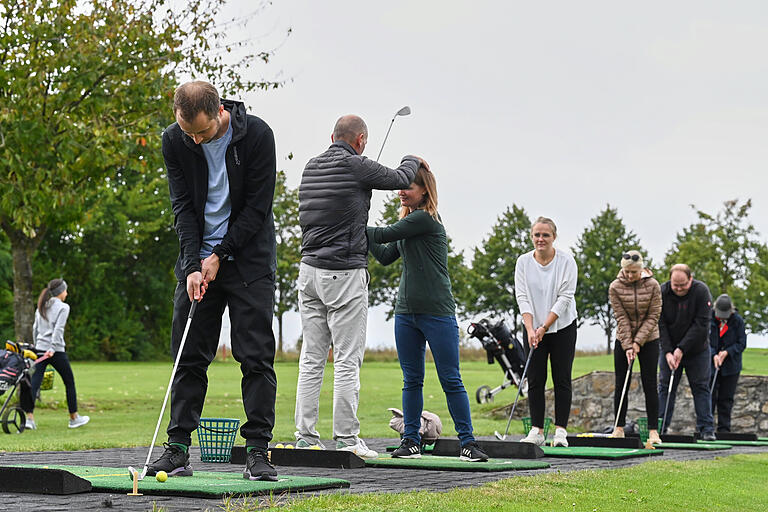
pixel 561 437
pixel 79 421
pixel 30 425
pixel 359 449
pixel 534 437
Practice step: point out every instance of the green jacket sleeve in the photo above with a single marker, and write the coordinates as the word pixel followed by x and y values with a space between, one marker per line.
pixel 384 253
pixel 415 224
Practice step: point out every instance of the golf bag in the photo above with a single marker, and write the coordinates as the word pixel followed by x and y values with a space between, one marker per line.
pixel 502 346
pixel 16 364
pixel 12 368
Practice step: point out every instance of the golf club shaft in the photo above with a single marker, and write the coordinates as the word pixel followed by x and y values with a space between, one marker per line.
pixel 170 383
pixel 712 388
pixel 623 393
pixel 669 397
pixel 385 138
pixel 519 388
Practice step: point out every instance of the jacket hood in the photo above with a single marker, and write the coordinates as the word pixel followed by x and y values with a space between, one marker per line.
pixel 645 274
pixel 237 118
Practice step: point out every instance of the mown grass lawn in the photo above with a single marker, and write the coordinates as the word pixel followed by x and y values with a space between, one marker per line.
pixel 124 399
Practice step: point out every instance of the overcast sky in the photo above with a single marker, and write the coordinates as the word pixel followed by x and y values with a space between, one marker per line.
pixel 559 107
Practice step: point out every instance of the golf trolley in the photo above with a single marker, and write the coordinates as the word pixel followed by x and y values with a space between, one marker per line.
pixel 502 346
pixel 16 363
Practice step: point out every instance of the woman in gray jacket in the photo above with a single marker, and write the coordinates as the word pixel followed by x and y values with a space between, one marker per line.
pixel 48 333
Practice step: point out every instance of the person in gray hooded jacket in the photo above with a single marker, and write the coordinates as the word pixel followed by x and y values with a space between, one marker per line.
pixel 334 199
pixel 48 333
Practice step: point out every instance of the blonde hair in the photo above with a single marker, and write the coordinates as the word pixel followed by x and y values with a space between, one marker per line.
pixel 424 178
pixel 545 220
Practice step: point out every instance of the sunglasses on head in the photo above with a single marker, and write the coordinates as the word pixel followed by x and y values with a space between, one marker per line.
pixel 633 257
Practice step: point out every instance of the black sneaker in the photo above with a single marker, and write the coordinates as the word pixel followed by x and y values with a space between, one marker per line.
pixel 258 467
pixel 173 461
pixel 708 436
pixel 471 452
pixel 408 449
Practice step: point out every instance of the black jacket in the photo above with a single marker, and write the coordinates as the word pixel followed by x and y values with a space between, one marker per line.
pixel 684 321
pixel 250 157
pixel 334 199
pixel 734 341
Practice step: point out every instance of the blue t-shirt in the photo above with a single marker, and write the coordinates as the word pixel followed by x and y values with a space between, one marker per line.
pixel 218 206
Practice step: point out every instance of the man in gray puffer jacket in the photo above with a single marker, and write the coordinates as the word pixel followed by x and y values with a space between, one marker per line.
pixel 334 199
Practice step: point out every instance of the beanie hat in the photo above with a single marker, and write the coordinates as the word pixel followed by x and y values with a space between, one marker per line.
pixel 632 260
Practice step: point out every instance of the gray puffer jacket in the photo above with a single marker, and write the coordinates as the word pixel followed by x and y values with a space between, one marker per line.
pixel 334 199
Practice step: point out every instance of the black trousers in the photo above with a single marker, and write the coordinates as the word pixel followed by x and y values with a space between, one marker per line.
pixel 253 346
pixel 60 362
pixel 648 357
pixel 560 348
pixel 722 399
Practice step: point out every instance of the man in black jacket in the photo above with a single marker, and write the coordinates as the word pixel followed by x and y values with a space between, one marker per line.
pixel 334 199
pixel 221 174
pixel 684 334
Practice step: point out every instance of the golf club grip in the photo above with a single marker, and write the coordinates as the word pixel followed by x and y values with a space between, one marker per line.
pixel 192 308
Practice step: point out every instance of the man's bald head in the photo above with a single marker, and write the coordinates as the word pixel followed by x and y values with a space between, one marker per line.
pixel 349 128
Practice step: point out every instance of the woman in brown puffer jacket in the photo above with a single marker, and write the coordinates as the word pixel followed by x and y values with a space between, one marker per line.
pixel 636 301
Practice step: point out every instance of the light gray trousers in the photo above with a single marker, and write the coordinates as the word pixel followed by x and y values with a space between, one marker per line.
pixel 334 312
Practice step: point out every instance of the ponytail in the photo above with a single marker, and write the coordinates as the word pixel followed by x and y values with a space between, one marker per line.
pixel 55 285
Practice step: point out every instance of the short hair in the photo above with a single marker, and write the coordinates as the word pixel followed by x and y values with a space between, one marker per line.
pixel 348 128
pixel 680 267
pixel 545 220
pixel 192 98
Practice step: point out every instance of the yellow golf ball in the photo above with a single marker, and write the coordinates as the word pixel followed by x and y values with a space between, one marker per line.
pixel 315 447
pixel 289 446
pixel 161 476
pixel 279 445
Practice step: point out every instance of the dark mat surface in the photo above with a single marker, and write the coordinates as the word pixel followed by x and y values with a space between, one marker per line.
pixel 595 452
pixel 605 442
pixel 435 462
pixel 202 484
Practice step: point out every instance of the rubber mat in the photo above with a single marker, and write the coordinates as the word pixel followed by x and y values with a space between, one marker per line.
pixel 433 462
pixel 202 484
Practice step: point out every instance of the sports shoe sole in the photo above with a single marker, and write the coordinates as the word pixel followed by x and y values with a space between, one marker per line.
pixel 266 477
pixel 411 456
pixel 469 459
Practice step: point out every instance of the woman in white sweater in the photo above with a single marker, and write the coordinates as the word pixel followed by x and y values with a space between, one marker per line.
pixel 545 283
pixel 48 333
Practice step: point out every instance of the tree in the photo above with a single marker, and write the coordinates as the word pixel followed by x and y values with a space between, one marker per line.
pixel 82 86
pixel 597 254
pixel 288 235
pixel 491 280
pixel 725 252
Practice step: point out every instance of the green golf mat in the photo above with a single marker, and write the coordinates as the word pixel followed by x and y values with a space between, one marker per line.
pixel 594 452
pixel 202 484
pixel 739 443
pixel 434 462
pixel 694 446
pixel 762 439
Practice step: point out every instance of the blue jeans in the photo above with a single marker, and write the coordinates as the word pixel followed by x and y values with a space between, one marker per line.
pixel 411 334
pixel 697 370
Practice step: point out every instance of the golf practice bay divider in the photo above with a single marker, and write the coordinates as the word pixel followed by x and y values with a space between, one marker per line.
pixel 506 449
pixel 438 463
pixel 340 459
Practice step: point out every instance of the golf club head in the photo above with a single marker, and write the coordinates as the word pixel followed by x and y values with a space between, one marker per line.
pixel 404 111
pixel 499 436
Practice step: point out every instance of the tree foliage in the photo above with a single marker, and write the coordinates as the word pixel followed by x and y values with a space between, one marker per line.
pixel 724 251
pixel 288 235
pixel 83 84
pixel 491 281
pixel 598 251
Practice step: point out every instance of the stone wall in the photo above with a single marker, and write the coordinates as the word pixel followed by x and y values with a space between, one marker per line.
pixel 592 406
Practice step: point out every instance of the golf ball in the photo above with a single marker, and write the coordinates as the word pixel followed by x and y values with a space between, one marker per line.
pixel 315 447
pixel 161 476
pixel 279 445
pixel 289 446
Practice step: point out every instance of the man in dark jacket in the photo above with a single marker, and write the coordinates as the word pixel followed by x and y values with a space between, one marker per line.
pixel 221 175
pixel 727 340
pixel 334 199
pixel 684 334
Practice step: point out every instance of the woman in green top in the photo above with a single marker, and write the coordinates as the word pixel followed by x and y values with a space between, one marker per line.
pixel 425 312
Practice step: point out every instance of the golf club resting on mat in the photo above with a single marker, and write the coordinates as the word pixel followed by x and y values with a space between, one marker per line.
pixel 227 257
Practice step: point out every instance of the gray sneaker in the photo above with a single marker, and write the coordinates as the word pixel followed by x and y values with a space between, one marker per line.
pixel 79 421
pixel 360 449
pixel 306 445
pixel 30 425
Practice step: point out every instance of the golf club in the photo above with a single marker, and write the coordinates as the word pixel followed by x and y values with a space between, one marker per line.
pixel 666 405
pixel 512 411
pixel 712 388
pixel 402 112
pixel 168 390
pixel 623 392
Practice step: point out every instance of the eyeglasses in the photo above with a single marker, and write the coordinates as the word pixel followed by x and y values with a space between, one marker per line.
pixel 633 257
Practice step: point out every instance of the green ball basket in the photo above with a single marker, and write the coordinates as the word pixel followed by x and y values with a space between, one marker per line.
pixel 642 428
pixel 527 425
pixel 217 437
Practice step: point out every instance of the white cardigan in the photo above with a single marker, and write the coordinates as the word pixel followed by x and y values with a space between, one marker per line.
pixel 540 289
